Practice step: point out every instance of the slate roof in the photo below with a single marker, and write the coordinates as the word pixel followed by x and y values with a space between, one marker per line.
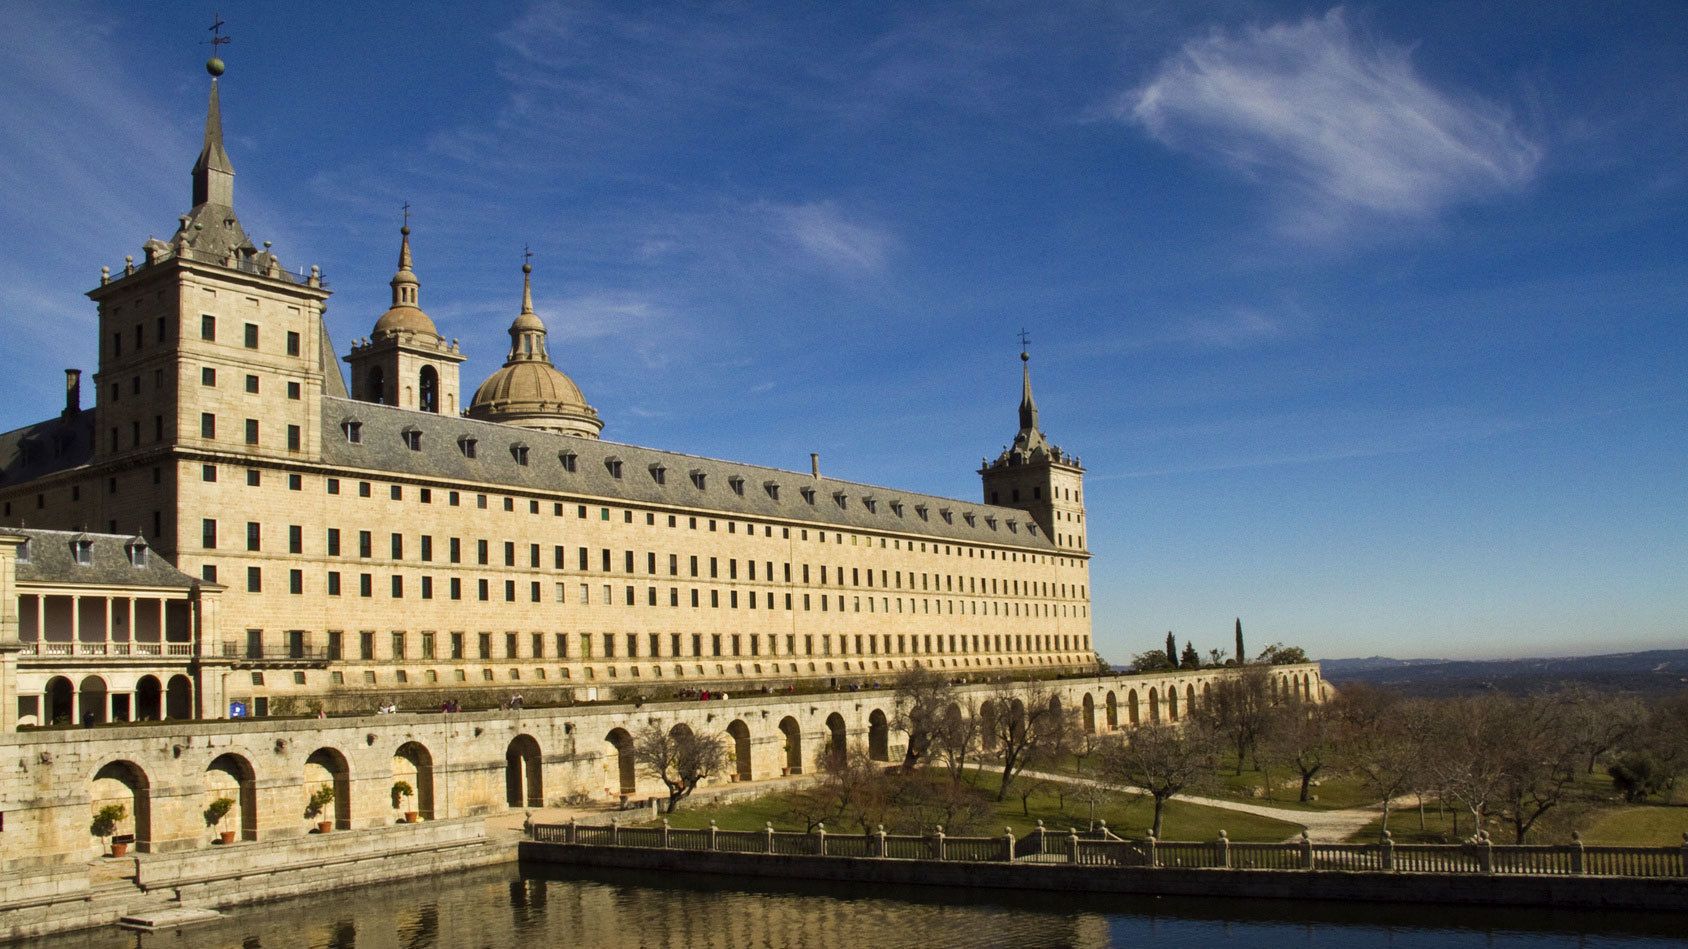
pixel 44 448
pixel 51 560
pixel 840 504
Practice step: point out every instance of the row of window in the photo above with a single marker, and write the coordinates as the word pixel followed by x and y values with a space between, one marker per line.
pixel 588 647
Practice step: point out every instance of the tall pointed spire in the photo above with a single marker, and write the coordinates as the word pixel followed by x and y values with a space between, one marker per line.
pixel 213 174
pixel 406 287
pixel 527 333
pixel 1028 406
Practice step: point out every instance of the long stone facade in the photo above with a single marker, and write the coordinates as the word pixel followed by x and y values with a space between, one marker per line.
pixel 467 764
pixel 384 542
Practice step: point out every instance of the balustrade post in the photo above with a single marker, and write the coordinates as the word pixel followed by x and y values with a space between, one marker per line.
pixel 1072 844
pixel 820 839
pixel 665 833
pixel 713 831
pixel 1224 849
pixel 1306 850
pixel 615 833
pixel 1154 852
pixel 1577 854
pixel 1008 852
pixel 572 834
pixel 879 847
pixel 1040 838
pixel 1387 852
pixel 1485 853
pixel 938 840
pixel 1685 853
pixel 768 838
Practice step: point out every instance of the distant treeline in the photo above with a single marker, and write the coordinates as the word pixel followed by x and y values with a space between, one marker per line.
pixel 1655 673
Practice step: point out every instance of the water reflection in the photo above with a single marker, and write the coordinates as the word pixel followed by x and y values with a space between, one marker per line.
pixel 501 908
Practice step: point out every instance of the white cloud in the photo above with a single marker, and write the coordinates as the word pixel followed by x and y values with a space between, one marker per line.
pixel 824 233
pixel 1349 124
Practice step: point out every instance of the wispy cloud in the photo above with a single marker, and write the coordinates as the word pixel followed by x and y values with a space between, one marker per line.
pixel 824 232
pixel 1347 123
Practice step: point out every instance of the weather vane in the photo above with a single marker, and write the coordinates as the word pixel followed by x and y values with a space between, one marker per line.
pixel 407 214
pixel 1025 339
pixel 527 256
pixel 214 65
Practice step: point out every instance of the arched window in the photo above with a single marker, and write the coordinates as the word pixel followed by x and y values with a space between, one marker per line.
pixel 429 387
pixel 375 385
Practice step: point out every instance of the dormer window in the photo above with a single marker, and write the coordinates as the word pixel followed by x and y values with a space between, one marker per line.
pixel 699 479
pixel 921 510
pixel 897 508
pixel 871 503
pixel 659 474
pixel 82 550
pixel 990 522
pixel 808 494
pixel 947 515
pixel 138 552
pixel 968 517
pixel 568 459
pixel 737 484
pixel 773 489
pixel 841 499
pixel 613 464
pixel 23 550
pixel 1031 529
pixel 519 452
pixel 1013 526
pixel 466 445
pixel 412 438
pixel 353 430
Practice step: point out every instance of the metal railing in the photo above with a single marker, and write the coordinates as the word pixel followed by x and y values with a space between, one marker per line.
pixel 1098 848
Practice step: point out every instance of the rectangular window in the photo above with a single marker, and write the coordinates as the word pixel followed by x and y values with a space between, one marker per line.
pixel 481 552
pixel 366 544
pixel 208 534
pixel 293 438
pixel 366 645
pixel 292 343
pixel 398 587
pixel 208 327
pixel 398 645
pixel 455 551
pixel 208 473
pixel 251 336
pixel 366 585
pixel 398 546
pixel 485 644
pixel 456 588
pixel 457 645
pixel 251 431
pixel 295 539
pixel 427 548
pixel 254 580
pixel 427 588
pixel 208 376
pixel 334 542
pixel 252 384
pixel 427 645
pixel 207 425
pixel 333 583
pixel 296 581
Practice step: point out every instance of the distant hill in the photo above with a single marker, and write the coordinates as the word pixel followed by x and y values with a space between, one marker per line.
pixel 1654 672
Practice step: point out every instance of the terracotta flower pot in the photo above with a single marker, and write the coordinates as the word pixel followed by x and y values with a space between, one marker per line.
pixel 324 826
pixel 411 817
pixel 119 849
pixel 226 836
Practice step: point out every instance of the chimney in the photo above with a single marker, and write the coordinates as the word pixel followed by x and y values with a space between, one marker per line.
pixel 72 392
pixel 815 464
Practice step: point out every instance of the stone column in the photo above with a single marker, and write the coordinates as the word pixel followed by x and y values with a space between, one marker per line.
pixel 10 647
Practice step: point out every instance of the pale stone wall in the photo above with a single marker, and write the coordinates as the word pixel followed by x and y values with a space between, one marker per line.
pixel 461 765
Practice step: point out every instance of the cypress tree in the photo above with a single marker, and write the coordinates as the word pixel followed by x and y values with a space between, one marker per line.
pixel 1171 649
pixel 1242 657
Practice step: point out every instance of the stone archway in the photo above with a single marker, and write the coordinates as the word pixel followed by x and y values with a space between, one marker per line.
pixel 1113 711
pixel 328 766
pixel 413 764
pixel 230 775
pixel 1189 700
pixel 126 784
pixel 91 700
pixel 1089 714
pixel 1172 703
pixel 1154 706
pixel 793 745
pixel 524 775
pixel 627 776
pixel 61 701
pixel 149 699
pixel 878 736
pixel 178 697
pixel 1132 714
pixel 838 738
pixel 740 734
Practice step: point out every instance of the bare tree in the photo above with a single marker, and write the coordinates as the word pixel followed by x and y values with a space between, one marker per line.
pixel 1539 757
pixel 1026 725
pixel 852 790
pixel 955 740
pixel 1162 760
pixel 922 696
pixel 678 757
pixel 1301 737
pixel 1384 739
pixel 1599 722
pixel 1240 710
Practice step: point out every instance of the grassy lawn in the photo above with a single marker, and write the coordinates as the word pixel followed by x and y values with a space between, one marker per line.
pixel 1126 815
pixel 1638 825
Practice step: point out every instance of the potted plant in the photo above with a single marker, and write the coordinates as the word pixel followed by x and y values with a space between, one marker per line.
pixel 214 814
pixel 105 824
pixel 402 792
pixel 320 798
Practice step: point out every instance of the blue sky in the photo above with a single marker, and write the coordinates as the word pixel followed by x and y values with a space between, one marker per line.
pixel 1368 321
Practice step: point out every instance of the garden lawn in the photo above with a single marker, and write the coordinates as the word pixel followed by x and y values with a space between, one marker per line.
pixel 1639 825
pixel 1126 815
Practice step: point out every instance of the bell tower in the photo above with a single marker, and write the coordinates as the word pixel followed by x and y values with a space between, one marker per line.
pixel 1036 476
pixel 404 361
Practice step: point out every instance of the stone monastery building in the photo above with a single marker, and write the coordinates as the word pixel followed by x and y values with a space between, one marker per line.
pixel 398 541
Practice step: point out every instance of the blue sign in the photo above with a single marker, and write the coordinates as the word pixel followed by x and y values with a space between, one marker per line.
pixel 237 709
